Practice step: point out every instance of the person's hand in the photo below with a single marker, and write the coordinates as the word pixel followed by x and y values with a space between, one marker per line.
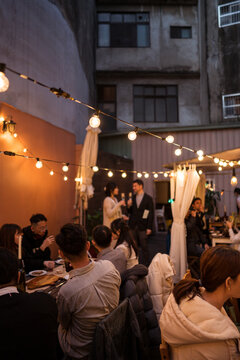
pixel 206 246
pixel 148 232
pixel 201 208
pixel 47 242
pixel 125 218
pixel 229 224
pixel 49 264
pixel 193 213
pixel 129 203
pixel 122 203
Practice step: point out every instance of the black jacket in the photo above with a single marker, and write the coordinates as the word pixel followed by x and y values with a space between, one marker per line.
pixel 136 214
pixel 33 256
pixel 195 235
pixel 134 287
pixel 28 327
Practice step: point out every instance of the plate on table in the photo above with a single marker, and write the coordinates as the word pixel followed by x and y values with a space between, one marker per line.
pixel 38 272
pixel 59 261
pixel 43 280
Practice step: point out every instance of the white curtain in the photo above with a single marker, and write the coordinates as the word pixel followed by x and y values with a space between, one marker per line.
pixel 84 188
pixel 183 187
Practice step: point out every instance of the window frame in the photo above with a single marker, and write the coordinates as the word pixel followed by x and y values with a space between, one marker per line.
pixel 180 28
pixel 234 106
pixel 221 16
pixel 108 102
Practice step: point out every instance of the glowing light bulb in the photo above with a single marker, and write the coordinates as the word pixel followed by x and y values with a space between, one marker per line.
pixel 51 173
pixel 216 160
pixel 4 82
pixel 95 121
pixel 124 175
pixel 95 168
pixel 146 175
pixel 139 175
pixel 155 175
pixel 221 163
pixel 165 174
pixel 24 150
pixel 65 167
pixel 65 178
pixel 231 163
pixel 200 172
pixel 224 164
pixel 1 118
pixel 200 158
pixel 39 164
pixel 15 135
pixel 238 162
pixel 219 168
pixel 234 181
pixel 132 135
pixel 200 153
pixel 178 152
pixel 110 173
pixel 170 139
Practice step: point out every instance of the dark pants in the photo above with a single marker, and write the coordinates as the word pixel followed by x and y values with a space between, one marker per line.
pixel 141 239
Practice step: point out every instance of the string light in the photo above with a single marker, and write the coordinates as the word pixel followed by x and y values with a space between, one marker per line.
pixel 15 135
pixel 216 160
pixel 4 82
pixel 238 162
pixel 155 175
pixel 221 163
pixel 110 174
pixel 124 175
pixel 95 168
pixel 224 164
pixel 1 118
pixel 65 178
pixel 200 158
pixel 170 139
pixel 146 175
pixel 220 168
pixel 51 173
pixel 231 163
pixel 65 167
pixel 24 150
pixel 234 180
pixel 39 164
pixel 200 153
pixel 95 121
pixel 200 172
pixel 178 152
pixel 132 135
pixel 165 175
pixel 139 175
pixel 78 179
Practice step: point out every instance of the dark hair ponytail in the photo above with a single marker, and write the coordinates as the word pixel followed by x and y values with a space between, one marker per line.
pixel 125 234
pixel 186 287
pixel 109 188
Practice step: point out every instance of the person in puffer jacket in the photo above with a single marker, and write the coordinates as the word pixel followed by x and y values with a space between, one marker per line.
pixel 194 322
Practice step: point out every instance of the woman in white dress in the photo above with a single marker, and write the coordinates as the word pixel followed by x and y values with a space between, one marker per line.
pixel 125 241
pixel 111 206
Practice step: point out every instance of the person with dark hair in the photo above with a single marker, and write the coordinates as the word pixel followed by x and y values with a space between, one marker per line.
pixel 102 239
pixel 28 326
pixel 9 237
pixel 36 243
pixel 111 206
pixel 194 322
pixel 141 217
pixel 125 241
pixel 196 239
pixel 237 194
pixel 90 294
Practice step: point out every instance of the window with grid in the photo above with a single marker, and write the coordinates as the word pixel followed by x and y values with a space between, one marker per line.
pixel 155 103
pixel 123 29
pixel 106 96
pixel 231 106
pixel 229 14
pixel 180 32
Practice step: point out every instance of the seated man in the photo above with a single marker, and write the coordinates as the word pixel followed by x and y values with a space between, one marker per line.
pixel 28 326
pixel 36 252
pixel 196 239
pixel 102 238
pixel 90 294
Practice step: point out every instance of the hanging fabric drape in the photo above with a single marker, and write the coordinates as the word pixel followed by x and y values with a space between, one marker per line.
pixel 84 188
pixel 201 189
pixel 183 187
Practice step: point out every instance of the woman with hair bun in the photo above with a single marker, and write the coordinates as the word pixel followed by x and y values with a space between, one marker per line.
pixel 194 322
pixel 111 206
pixel 125 241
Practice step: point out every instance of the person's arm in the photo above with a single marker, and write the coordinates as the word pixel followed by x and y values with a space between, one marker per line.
pixel 109 210
pixel 235 238
pixel 150 216
pixel 191 220
pixel 64 313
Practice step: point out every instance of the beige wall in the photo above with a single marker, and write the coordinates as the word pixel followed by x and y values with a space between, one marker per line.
pixel 24 189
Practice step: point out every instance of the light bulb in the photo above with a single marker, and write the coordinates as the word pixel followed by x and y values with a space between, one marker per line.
pixel 216 160
pixel 234 181
pixel 1 119
pixel 15 135
pixel 124 175
pixel 178 152
pixel 132 135
pixel 200 158
pixel 4 82
pixel 200 172
pixel 170 139
pixel 95 168
pixel 139 175
pixel 39 164
pixel 200 153
pixel 155 175
pixel 146 175
pixel 231 163
pixel 224 164
pixel 221 163
pixel 110 173
pixel 165 174
pixel 94 121
pixel 65 178
pixel 65 167
pixel 51 173
pixel 220 168
pixel 238 162
pixel 24 150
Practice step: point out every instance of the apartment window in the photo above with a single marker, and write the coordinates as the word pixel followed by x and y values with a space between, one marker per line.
pixel 180 32
pixel 123 30
pixel 107 102
pixel 155 103
pixel 229 14
pixel 231 106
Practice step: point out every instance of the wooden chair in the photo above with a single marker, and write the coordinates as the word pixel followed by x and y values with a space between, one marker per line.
pixel 164 350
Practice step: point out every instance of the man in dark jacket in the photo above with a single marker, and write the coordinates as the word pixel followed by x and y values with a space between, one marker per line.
pixel 36 252
pixel 28 326
pixel 141 217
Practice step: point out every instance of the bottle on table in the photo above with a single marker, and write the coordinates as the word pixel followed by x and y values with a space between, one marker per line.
pixel 21 276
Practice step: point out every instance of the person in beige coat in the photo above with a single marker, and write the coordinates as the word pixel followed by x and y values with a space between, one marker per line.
pixel 194 322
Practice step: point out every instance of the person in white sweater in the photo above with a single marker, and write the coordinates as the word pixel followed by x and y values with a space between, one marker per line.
pixel 125 241
pixel 194 322
pixel 235 238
